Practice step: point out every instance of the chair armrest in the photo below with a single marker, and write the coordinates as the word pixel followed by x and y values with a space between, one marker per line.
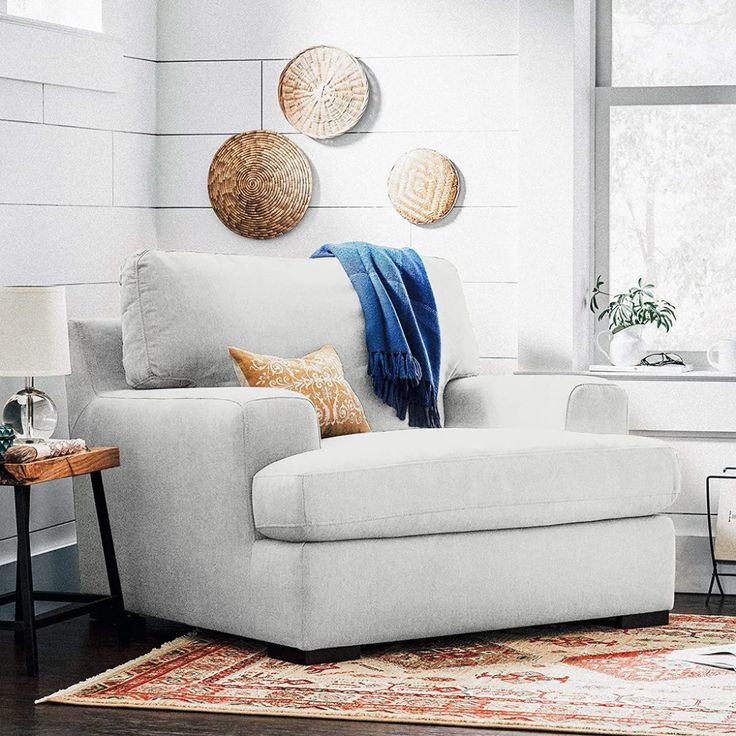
pixel 180 503
pixel 572 403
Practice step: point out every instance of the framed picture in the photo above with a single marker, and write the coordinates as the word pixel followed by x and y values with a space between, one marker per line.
pixel 723 537
pixel 725 541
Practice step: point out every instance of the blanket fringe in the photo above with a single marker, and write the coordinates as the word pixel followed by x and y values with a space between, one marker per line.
pixel 425 413
pixel 396 378
pixel 393 366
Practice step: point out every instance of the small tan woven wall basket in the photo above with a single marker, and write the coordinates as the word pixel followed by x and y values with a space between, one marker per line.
pixel 423 186
pixel 323 91
pixel 260 184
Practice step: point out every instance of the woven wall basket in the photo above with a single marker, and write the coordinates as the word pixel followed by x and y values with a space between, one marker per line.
pixel 323 91
pixel 259 184
pixel 423 186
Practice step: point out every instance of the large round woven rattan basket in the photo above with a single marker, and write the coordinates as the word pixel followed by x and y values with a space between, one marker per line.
pixel 423 186
pixel 323 91
pixel 260 184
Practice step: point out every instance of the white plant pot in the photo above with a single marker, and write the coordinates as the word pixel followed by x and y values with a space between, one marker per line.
pixel 626 347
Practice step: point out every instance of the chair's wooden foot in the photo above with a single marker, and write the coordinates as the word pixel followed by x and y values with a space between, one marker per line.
pixel 642 620
pixel 313 656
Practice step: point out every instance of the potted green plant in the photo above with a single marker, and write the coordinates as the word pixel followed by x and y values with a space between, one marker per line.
pixel 628 313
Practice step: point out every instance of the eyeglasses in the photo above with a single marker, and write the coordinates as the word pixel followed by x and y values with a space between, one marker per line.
pixel 659 359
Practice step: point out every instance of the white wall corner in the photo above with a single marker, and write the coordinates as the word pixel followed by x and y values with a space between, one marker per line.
pixel 583 180
pixel 546 191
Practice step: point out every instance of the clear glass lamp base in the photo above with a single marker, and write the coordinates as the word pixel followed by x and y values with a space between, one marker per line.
pixel 32 414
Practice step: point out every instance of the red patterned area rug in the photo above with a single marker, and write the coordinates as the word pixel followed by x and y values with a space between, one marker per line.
pixel 573 678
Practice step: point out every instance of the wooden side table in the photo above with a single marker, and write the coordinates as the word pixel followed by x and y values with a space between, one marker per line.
pixel 22 477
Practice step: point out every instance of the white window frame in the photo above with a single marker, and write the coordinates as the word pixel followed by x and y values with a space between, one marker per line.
pixel 608 96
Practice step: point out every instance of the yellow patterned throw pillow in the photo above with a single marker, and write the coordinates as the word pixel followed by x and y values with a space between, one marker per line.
pixel 318 376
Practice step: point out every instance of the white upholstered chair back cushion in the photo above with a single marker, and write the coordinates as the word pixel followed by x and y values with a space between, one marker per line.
pixel 181 310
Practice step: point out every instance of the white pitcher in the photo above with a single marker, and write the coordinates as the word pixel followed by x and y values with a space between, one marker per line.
pixel 626 347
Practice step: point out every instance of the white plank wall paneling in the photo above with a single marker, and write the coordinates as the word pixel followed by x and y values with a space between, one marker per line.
pixel 21 100
pixel 432 85
pixel 134 170
pixel 405 94
pixel 131 110
pixel 351 171
pixel 58 224
pixel 45 164
pixel 42 540
pixel 135 22
pixel 231 105
pixel 199 229
pixel 232 29
pixel 36 52
pixel 51 504
pixel 70 244
pixel 492 233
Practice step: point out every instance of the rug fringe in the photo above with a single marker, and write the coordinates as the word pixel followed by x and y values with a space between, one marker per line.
pixel 173 644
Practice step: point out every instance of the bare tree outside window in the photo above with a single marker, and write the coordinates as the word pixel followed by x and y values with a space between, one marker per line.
pixel 670 142
pixel 673 213
pixel 674 42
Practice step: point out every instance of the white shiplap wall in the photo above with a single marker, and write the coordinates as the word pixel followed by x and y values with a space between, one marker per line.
pixel 76 195
pixel 443 75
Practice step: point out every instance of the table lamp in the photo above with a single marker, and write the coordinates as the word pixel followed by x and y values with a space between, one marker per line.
pixel 34 341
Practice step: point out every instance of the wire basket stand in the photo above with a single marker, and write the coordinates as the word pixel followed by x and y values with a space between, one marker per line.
pixel 716 575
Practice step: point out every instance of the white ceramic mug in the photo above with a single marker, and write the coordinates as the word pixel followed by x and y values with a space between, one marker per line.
pixel 726 350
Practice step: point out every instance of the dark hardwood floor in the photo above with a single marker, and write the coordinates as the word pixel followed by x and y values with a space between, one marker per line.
pixel 78 649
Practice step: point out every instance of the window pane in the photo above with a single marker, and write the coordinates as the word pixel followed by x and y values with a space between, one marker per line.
pixel 673 214
pixel 674 42
pixel 76 13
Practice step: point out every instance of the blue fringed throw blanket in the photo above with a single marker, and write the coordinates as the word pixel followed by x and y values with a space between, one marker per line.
pixel 402 331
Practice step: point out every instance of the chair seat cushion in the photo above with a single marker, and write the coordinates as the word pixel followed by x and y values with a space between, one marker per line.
pixel 430 481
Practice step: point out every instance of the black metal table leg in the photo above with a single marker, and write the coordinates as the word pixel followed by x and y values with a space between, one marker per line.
pixel 108 550
pixel 25 576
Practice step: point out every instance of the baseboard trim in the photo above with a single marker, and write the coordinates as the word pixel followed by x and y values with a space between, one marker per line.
pixel 56 570
pixel 42 540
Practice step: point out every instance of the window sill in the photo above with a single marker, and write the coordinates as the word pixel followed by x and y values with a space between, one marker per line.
pixel 56 27
pixel 697 375
pixel 46 53
pixel 710 375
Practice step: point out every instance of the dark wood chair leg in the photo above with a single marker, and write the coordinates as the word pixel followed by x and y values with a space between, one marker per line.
pixel 642 620
pixel 313 656
pixel 25 577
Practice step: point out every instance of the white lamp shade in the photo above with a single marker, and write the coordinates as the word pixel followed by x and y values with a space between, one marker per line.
pixel 34 337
